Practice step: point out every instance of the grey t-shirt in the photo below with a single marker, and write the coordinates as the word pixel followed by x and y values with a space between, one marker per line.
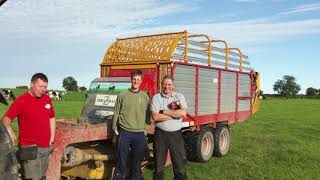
pixel 160 102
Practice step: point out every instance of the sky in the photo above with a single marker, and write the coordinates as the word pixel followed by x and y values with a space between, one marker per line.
pixel 69 38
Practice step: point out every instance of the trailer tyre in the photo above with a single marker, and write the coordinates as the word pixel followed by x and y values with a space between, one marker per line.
pixel 199 145
pixel 221 141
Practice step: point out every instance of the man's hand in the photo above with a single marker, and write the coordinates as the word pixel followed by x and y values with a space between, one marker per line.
pixel 176 114
pixel 7 123
pixel 175 111
pixel 157 117
pixel 52 130
pixel 13 137
pixel 114 138
pixel 51 141
pixel 115 135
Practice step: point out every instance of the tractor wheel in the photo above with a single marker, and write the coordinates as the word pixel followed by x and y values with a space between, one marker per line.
pixel 199 145
pixel 221 140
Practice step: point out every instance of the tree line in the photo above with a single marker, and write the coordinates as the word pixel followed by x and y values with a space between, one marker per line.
pixel 285 87
pixel 288 87
pixel 70 84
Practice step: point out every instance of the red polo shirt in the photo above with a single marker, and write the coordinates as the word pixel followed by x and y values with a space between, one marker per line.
pixel 34 119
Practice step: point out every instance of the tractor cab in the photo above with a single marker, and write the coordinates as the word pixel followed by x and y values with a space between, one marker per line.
pixel 101 99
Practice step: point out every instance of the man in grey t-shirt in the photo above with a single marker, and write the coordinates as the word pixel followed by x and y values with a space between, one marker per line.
pixel 168 126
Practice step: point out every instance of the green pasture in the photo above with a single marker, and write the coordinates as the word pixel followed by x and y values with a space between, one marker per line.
pixel 281 141
pixel 69 107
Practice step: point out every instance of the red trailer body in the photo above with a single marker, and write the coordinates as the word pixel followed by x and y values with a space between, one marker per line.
pixel 219 84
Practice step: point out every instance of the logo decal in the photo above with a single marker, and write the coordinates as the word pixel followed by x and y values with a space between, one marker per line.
pixel 47 106
pixel 105 100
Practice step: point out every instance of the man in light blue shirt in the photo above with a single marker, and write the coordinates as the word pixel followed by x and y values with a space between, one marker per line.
pixel 168 126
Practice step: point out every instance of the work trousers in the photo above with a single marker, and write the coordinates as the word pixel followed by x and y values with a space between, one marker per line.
pixel 36 169
pixel 174 142
pixel 135 141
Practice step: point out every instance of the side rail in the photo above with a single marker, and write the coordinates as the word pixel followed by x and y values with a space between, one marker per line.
pixel 200 49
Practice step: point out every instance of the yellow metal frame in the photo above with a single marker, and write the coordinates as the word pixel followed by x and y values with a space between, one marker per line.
pixel 144 66
pixel 156 49
pixel 142 49
pixel 164 69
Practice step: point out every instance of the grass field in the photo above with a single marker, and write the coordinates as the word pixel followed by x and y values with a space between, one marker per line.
pixel 281 141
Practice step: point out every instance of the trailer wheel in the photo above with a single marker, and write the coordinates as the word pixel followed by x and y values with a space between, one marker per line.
pixel 221 140
pixel 199 145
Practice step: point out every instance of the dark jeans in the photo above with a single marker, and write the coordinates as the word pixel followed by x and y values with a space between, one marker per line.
pixel 175 143
pixel 137 142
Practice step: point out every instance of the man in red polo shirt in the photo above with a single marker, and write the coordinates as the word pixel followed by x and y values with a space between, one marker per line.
pixel 36 127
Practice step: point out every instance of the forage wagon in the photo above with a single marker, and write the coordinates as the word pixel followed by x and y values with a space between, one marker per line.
pixel 219 84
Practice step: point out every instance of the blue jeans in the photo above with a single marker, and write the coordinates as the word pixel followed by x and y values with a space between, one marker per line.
pixel 135 141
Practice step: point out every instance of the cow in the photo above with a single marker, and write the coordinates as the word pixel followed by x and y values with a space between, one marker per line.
pixel 54 95
pixel 64 93
pixel 112 88
pixel 8 94
pixel 3 100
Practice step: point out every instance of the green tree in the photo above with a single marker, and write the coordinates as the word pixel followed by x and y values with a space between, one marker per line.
pixel 70 84
pixel 287 86
pixel 311 91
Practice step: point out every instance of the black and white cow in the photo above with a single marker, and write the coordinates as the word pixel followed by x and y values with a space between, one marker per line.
pixel 8 94
pixel 63 93
pixel 3 100
pixel 54 95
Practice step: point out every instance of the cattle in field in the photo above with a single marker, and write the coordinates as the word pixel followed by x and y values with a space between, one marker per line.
pixel 8 94
pixel 63 93
pixel 55 95
pixel 112 88
pixel 3 100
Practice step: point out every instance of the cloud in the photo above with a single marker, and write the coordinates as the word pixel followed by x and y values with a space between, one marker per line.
pixel 87 21
pixel 238 33
pixel 61 18
pixel 63 38
pixel 250 32
pixel 302 9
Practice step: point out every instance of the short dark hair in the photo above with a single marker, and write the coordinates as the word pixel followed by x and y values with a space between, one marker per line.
pixel 136 72
pixel 37 76
pixel 168 77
